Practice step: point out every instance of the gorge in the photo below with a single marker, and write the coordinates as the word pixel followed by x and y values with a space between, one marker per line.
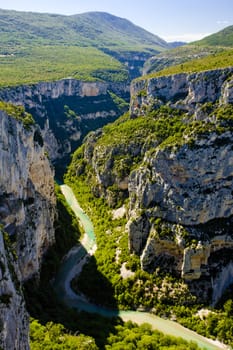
pixel 150 160
pixel 171 216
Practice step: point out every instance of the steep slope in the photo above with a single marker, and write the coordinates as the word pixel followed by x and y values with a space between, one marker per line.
pixel 172 157
pixel 27 210
pixel 222 38
pixel 61 46
pixel 27 192
pixel 210 45
pixel 13 315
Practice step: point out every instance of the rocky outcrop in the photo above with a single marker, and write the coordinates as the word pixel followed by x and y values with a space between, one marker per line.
pixel 27 201
pixel 14 320
pixel 183 91
pixel 182 184
pixel 68 109
pixel 177 171
pixel 189 184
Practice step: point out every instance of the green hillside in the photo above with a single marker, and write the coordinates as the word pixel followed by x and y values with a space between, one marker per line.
pixel 211 45
pixel 48 63
pixel 222 38
pixel 96 29
pixel 87 46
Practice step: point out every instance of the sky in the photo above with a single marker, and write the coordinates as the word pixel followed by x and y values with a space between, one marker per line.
pixel 172 20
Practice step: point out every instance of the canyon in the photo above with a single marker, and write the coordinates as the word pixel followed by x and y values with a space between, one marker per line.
pixel 180 192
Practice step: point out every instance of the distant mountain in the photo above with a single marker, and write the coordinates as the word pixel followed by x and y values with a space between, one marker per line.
pixel 77 45
pixel 175 44
pixel 98 29
pixel 222 38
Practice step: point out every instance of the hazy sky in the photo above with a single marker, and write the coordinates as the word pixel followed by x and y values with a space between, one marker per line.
pixel 185 20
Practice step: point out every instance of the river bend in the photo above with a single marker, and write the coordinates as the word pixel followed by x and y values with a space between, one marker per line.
pixel 72 265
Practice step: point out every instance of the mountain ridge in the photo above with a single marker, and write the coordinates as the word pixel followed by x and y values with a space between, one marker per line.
pixel 72 25
pixel 90 46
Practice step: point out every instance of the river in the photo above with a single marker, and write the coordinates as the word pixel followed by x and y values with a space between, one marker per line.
pixel 72 265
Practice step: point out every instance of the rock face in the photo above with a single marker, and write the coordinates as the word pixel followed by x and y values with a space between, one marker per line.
pixel 178 175
pixel 188 185
pixel 67 109
pixel 183 91
pixel 27 201
pixel 27 210
pixel 14 330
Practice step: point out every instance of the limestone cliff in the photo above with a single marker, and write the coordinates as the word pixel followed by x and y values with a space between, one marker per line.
pixel 26 193
pixel 14 330
pixel 187 92
pixel 67 109
pixel 27 210
pixel 173 158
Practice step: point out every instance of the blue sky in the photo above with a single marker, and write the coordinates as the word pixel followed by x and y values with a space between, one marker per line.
pixel 185 20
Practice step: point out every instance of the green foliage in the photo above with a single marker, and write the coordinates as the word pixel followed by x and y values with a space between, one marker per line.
pixel 120 102
pixel 133 337
pixel 54 336
pixel 178 56
pixel 17 112
pixel 217 324
pixel 67 234
pixel 70 113
pixel 122 145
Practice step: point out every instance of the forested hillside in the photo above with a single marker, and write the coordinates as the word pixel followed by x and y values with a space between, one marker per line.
pixel 91 46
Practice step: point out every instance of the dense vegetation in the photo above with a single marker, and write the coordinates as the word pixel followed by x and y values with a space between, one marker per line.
pixel 101 279
pixel 178 56
pixel 54 336
pixel 132 337
pixel 102 282
pixel 47 63
pixel 128 336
